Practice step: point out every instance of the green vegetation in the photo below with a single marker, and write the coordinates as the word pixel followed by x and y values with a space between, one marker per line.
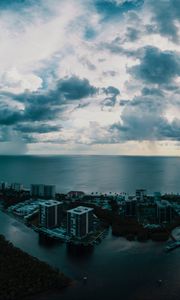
pixel 127 226
pixel 11 197
pixel 22 275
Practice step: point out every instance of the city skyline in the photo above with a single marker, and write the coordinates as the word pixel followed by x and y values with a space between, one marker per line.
pixel 90 77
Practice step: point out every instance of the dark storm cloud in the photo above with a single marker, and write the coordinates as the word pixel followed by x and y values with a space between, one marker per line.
pixel 166 13
pixel 9 115
pixel 112 9
pixel 143 119
pixel 74 88
pixel 124 102
pixel 151 91
pixel 29 139
pixel 115 47
pixel 40 112
pixel 12 3
pixel 156 66
pixel 111 93
pixel 45 106
pixel 37 128
pixel 132 34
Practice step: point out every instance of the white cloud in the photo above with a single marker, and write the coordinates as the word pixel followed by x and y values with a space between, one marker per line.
pixel 15 82
pixel 52 43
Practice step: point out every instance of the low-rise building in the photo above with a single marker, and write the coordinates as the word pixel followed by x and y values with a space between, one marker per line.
pixel 75 194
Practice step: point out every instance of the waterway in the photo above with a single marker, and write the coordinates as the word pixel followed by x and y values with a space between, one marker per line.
pixel 116 268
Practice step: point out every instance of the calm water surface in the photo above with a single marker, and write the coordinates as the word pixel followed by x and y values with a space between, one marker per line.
pixel 94 173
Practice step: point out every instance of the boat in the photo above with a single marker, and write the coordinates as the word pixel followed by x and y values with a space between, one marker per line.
pixel 159 282
pixel 172 246
pixel 85 279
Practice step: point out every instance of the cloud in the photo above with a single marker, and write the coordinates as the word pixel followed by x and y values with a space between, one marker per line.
pixel 114 8
pixel 111 93
pixel 9 115
pixel 37 128
pixel 32 112
pixel 115 47
pixel 13 81
pixel 140 120
pixel 10 4
pixel 143 118
pixel 11 142
pixel 132 34
pixel 13 147
pixel 86 72
pixel 44 106
pixel 166 14
pixel 74 88
pixel 156 66
pixel 152 91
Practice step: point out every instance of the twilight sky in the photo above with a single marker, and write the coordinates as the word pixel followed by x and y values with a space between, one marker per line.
pixel 90 77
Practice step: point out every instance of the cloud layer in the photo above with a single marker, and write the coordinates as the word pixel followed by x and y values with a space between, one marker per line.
pixel 95 76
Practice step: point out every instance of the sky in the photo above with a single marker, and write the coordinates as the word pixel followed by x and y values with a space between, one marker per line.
pixel 90 77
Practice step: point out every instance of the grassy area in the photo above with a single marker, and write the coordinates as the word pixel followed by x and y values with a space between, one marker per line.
pixel 22 275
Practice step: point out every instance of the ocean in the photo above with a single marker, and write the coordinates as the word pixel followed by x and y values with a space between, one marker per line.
pixel 94 173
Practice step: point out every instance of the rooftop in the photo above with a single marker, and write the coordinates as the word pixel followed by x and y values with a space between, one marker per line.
pixel 80 210
pixel 163 203
pixel 50 203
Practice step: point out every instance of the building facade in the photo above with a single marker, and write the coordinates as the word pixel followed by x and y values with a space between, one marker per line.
pixel 130 208
pixel 79 221
pixel 3 185
pixel 50 214
pixel 43 191
pixel 141 195
pixel 164 212
pixel 17 187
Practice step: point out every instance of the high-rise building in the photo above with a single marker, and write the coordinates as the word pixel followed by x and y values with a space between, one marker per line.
pixel 130 208
pixel 141 195
pixel 43 191
pixel 50 213
pixel 49 191
pixel 3 185
pixel 80 221
pixel 17 187
pixel 157 196
pixel 164 211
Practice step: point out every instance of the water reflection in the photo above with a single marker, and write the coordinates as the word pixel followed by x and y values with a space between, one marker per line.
pixel 79 253
pixel 47 242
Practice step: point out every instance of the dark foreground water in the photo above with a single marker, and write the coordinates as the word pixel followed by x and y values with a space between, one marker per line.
pixel 94 173
pixel 116 268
